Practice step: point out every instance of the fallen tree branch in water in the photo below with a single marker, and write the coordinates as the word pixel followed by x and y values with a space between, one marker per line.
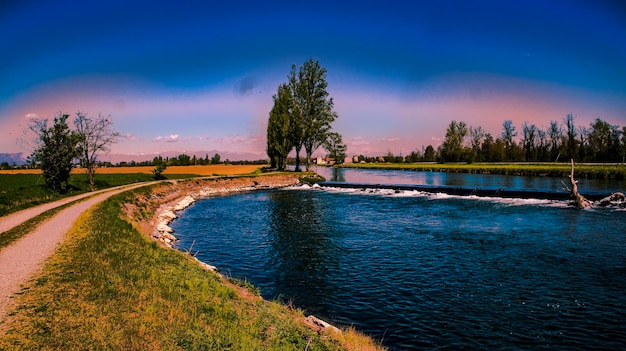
pixel 578 200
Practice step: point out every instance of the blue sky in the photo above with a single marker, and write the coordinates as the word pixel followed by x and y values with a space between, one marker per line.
pixel 199 75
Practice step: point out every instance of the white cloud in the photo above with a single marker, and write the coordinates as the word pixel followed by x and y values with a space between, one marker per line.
pixel 166 139
pixel 130 137
pixel 237 139
pixel 357 141
pixel 390 140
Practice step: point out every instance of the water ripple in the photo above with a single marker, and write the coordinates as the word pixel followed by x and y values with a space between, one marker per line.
pixel 423 273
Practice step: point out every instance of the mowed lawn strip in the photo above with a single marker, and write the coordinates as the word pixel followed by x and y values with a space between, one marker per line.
pixel 110 287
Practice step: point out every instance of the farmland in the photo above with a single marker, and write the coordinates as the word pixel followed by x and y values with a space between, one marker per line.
pixel 23 188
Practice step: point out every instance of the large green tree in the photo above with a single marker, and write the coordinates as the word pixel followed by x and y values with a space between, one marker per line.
pixel 453 143
pixel 316 107
pixel 304 99
pixel 57 146
pixel 604 141
pixel 279 128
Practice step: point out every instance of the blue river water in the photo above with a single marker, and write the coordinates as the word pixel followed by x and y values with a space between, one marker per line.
pixel 427 271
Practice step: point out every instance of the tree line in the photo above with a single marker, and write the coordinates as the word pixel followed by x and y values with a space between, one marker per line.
pixel 600 142
pixel 301 118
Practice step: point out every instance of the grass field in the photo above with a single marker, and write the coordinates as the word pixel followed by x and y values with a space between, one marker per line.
pixel 20 189
pixel 111 288
pixel 590 171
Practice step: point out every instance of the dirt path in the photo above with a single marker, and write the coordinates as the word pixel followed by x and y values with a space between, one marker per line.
pixel 22 259
pixel 14 219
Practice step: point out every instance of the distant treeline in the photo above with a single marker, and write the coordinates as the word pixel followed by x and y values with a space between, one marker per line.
pixel 180 160
pixel 185 160
pixel 599 142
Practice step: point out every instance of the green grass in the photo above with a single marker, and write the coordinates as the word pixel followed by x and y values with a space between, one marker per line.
pixel 20 191
pixel 110 288
pixel 595 171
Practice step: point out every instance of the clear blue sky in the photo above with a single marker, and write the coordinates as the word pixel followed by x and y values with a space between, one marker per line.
pixel 199 75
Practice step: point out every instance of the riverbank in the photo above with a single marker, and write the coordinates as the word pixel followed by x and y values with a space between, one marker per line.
pixel 110 286
pixel 152 213
pixel 557 170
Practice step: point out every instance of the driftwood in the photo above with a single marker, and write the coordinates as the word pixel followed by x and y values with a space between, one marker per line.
pixel 578 200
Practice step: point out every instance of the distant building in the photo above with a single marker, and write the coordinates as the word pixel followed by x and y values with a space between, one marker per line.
pixel 348 159
pixel 320 161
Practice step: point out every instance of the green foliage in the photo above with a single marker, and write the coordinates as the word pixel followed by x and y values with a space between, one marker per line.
pixel 302 115
pixel 453 143
pixel 335 147
pixel 58 146
pixel 316 107
pixel 216 159
pixel 110 288
pixel 158 170
pixel 279 128
pixel 311 178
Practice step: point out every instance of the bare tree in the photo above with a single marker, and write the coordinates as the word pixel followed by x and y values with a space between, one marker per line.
pixel 96 135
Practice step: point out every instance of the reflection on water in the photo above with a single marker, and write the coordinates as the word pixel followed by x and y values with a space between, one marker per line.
pixel 484 181
pixel 337 175
pixel 423 271
pixel 302 251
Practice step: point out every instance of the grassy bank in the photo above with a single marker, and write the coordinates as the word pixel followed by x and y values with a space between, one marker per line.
pixel 560 170
pixel 111 288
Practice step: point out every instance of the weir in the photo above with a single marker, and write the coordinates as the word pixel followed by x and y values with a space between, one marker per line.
pixel 468 191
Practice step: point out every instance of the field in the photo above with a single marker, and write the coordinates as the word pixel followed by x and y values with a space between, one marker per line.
pixel 20 189
pixel 590 171
pixel 190 170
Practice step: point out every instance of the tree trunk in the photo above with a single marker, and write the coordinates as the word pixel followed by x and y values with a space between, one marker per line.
pixel 297 160
pixel 577 198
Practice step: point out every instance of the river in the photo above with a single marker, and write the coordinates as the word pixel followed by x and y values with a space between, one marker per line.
pixel 428 271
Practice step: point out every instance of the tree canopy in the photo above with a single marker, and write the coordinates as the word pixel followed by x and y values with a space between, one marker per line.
pixel 301 116
pixel 57 146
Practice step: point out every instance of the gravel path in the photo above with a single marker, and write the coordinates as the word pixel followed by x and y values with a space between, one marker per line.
pixel 22 259
pixel 14 219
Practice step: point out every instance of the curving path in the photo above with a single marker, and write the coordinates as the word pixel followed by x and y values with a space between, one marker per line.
pixel 14 219
pixel 24 258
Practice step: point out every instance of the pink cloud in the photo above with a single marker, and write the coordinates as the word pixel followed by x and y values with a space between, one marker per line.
pixel 166 139
pixel 357 141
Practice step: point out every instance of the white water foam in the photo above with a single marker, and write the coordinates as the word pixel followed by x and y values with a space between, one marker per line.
pixel 432 196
